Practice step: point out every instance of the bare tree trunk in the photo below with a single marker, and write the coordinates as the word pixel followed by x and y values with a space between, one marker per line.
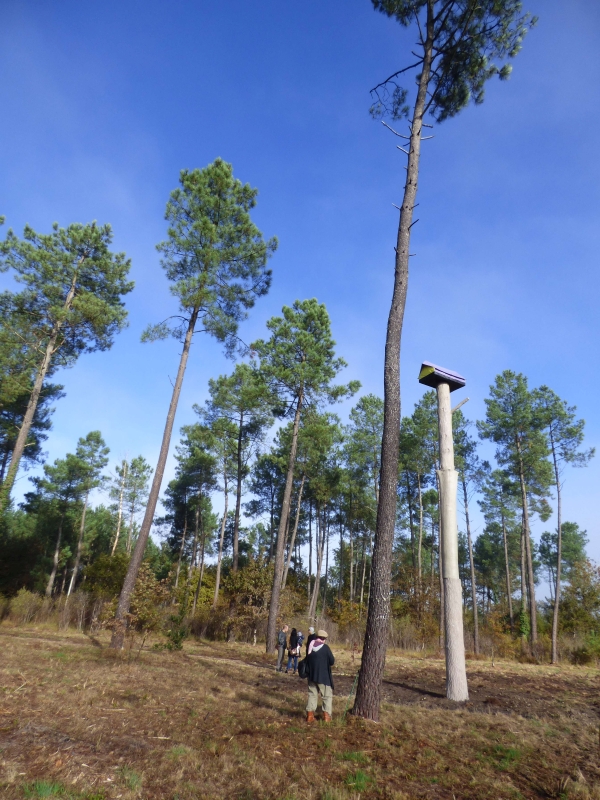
pixel 52 578
pixel 79 545
pixel 326 576
pixel 32 405
pixel 472 565
pixel 508 584
pixel 420 545
pixel 558 552
pixel 285 511
pixel 194 545
pixel 118 635
pixel 220 556
pixel 238 499
pixel 528 553
pixel 320 546
pixel 294 532
pixel 523 588
pixel 362 582
pixel 183 537
pixel 199 584
pixel 120 511
pixel 351 564
pixel 368 692
pixel 309 549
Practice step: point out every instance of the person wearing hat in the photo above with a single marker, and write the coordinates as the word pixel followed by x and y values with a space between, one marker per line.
pixel 319 662
pixel 311 635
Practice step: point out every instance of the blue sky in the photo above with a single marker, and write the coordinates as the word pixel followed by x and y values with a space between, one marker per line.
pixel 104 103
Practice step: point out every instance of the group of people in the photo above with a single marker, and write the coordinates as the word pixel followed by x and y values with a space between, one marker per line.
pixel 318 663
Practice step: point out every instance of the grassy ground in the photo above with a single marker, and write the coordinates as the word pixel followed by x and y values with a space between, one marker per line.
pixel 216 721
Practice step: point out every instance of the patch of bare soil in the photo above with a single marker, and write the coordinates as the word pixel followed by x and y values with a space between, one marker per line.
pixel 216 721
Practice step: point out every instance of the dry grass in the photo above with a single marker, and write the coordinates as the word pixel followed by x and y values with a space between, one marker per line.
pixel 216 721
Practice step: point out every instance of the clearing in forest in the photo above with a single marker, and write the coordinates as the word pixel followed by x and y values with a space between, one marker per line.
pixel 216 721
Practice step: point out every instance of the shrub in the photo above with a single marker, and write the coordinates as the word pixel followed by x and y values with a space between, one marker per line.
pixel 24 606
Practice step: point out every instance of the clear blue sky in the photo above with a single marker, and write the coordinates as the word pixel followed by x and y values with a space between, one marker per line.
pixel 103 104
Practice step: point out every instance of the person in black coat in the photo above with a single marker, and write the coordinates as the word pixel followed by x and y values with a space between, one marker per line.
pixel 319 662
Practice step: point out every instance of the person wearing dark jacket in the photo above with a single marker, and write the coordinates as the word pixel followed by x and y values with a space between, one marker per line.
pixel 293 652
pixel 281 647
pixel 319 662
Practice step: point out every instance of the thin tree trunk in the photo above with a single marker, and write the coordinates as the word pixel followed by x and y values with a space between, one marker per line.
pixel 130 528
pixel 508 583
pixel 420 544
pixel 285 511
pixel 238 498
pixel 4 464
pixel 183 537
pixel 362 582
pixel 120 511
pixel 309 549
pixel 194 545
pixel 351 564
pixel 52 578
pixel 294 532
pixel 528 553
pixel 118 635
pixel 220 556
pixel 558 552
pixel 32 405
pixel 320 551
pixel 79 546
pixel 341 576
pixel 324 604
pixel 199 584
pixel 523 589
pixel 472 564
pixel 368 691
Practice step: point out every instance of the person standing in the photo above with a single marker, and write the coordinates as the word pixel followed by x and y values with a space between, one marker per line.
pixel 311 636
pixel 293 652
pixel 281 647
pixel 319 662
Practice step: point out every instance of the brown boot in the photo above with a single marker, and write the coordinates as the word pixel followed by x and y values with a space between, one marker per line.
pixel 310 716
pixel 326 717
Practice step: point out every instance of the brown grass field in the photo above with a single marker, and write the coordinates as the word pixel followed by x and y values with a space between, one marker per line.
pixel 216 721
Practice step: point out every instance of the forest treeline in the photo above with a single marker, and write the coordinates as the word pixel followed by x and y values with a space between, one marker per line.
pixel 272 510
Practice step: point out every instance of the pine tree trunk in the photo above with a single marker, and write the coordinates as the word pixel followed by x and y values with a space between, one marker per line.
pixel 472 565
pixel 118 636
pixel 52 578
pixel 528 553
pixel 194 545
pixel 120 511
pixel 220 556
pixel 79 546
pixel 324 604
pixel 508 583
pixel 34 398
pixel 362 581
pixel 558 553
pixel 183 537
pixel 238 499
pixel 309 550
pixel 351 564
pixel 420 547
pixel 412 534
pixel 368 691
pixel 523 589
pixel 199 584
pixel 279 548
pixel 294 532
pixel 320 547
